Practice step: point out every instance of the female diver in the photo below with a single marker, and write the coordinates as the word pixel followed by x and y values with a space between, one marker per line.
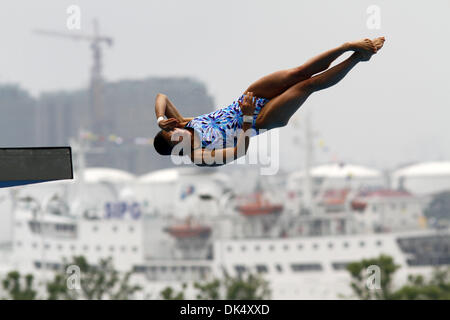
pixel 223 135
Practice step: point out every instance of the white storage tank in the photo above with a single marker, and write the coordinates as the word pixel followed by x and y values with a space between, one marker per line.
pixel 423 178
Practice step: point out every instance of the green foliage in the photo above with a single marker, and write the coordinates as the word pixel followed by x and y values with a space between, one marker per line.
pixel 437 288
pixel 208 290
pixel 417 287
pixel 97 282
pixel 246 287
pixel 169 294
pixel 359 277
pixel 243 287
pixel 18 287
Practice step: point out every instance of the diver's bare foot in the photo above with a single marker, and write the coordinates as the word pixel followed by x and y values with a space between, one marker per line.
pixel 378 42
pixel 364 46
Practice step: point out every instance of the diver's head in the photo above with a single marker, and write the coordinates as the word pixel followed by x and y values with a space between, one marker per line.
pixel 164 141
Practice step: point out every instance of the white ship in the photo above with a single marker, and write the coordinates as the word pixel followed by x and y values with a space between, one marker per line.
pixel 184 225
pixel 170 230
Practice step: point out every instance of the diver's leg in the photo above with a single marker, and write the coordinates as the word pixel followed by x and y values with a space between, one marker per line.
pixel 278 111
pixel 322 61
pixel 277 82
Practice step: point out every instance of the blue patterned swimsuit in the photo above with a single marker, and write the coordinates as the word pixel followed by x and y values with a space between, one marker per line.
pixel 218 129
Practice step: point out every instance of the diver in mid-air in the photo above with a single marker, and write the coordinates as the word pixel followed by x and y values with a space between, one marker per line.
pixel 221 136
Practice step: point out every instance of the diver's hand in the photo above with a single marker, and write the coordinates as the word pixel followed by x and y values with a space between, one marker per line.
pixel 248 104
pixel 168 124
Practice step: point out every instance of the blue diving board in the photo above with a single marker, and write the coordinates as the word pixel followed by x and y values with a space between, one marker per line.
pixel 21 166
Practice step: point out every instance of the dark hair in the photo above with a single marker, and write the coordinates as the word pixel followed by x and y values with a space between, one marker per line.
pixel 162 146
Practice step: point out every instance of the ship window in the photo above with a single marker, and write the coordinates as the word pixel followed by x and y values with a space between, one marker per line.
pixel 379 243
pixel 134 249
pixel 174 269
pixel 243 248
pixel 330 245
pixel 339 265
pixel 47 246
pixel 362 244
pixel 140 269
pixel 85 248
pixel 131 229
pixel 60 247
pixel 35 226
pixel 315 246
pixel 271 247
pixel 279 268
pixel 183 268
pixel 286 247
pixel 257 248
pixel 299 267
pixel 261 268
pixel 300 247
pixel 239 268
pixel 114 229
pixel 37 264
pixel 163 268
pixel 346 244
pixel 63 227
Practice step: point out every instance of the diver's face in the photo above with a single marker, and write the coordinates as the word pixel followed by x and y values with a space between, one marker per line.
pixel 176 135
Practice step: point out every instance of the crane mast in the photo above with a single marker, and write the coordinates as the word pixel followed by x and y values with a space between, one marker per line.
pixel 99 124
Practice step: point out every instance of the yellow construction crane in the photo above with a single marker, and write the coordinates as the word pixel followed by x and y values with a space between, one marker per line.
pixel 96 82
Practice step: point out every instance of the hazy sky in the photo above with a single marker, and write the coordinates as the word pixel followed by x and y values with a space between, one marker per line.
pixel 391 110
